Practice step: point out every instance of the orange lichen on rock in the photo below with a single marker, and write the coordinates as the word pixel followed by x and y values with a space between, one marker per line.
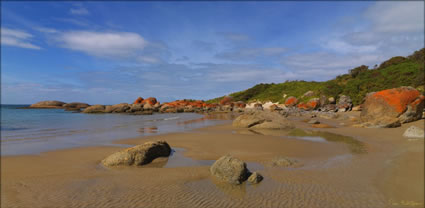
pixel 291 101
pixel 303 106
pixel 313 104
pixel 398 98
pixel 150 100
pixel 138 100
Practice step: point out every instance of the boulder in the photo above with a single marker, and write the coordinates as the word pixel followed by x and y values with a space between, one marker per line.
pixel 151 100
pixel 118 108
pixel 138 155
pixel 308 94
pixel 313 103
pixel 283 162
pixel 291 101
pixel 323 100
pixel 136 108
pixel 94 109
pixel 262 120
pixel 255 178
pixel 48 104
pixel 230 169
pixel 414 132
pixel 331 100
pixel 258 106
pixel 139 100
pixel 344 103
pixel 391 107
pixel 147 106
pixel 357 108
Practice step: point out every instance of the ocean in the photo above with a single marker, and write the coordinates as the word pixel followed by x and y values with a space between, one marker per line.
pixel 32 131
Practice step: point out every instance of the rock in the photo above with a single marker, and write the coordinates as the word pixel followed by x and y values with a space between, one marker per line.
pixel 118 108
pixel 262 120
pixel 268 104
pixel 323 100
pixel 313 103
pixel 314 121
pixel 139 100
pixel 283 162
pixel 391 107
pixel 151 100
pixel 275 108
pixel 227 100
pixel 414 132
pixel 344 103
pixel 308 94
pixel 48 104
pixel 138 155
pixel 230 169
pixel 147 106
pixel 357 108
pixel 320 125
pixel 136 108
pixel 291 101
pixel 332 100
pixel 95 109
pixel 329 107
pixel 255 178
pixel 258 106
pixel 75 105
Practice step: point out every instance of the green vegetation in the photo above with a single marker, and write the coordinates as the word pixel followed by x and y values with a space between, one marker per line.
pixel 395 72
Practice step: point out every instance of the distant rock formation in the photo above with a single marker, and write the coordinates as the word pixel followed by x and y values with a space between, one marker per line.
pixel 48 104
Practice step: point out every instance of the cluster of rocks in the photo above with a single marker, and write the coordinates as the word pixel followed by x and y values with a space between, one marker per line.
pixel 227 168
pixel 321 103
pixel 49 104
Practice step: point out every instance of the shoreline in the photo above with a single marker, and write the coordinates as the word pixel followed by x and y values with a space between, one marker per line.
pixel 390 173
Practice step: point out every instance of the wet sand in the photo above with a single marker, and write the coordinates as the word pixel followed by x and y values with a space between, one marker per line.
pixel 338 167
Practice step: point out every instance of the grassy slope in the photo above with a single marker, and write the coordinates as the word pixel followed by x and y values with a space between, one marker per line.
pixel 395 72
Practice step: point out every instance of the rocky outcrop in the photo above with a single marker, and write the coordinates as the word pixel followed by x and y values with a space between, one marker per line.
pixel 308 94
pixel 414 132
pixel 118 108
pixel 138 155
pixel 75 106
pixel 262 120
pixel 230 169
pixel 48 104
pixel 291 101
pixel 95 109
pixel 391 107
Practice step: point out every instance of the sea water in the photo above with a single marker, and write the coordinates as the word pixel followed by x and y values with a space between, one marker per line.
pixel 32 131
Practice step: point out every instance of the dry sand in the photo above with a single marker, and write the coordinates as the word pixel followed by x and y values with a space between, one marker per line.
pixel 363 168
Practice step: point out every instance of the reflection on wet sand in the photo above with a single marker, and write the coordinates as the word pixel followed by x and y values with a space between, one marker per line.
pixel 150 130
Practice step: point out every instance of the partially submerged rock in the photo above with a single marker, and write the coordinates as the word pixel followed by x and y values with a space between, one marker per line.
pixel 391 107
pixel 230 169
pixel 48 104
pixel 95 109
pixel 262 120
pixel 283 162
pixel 138 155
pixel 255 178
pixel 414 132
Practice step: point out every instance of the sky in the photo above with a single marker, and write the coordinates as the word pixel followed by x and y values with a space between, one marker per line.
pixel 113 52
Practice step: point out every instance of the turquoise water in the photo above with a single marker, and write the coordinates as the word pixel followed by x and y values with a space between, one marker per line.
pixel 31 131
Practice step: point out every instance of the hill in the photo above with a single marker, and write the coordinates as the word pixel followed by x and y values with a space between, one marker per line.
pixel 395 72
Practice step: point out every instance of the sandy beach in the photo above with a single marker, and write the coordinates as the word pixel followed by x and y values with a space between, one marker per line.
pixel 349 167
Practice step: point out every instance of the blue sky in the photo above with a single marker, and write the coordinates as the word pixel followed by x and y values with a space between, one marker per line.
pixel 113 52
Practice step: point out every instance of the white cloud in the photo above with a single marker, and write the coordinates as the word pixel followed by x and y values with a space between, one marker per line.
pixel 403 16
pixel 17 38
pixel 79 11
pixel 103 43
